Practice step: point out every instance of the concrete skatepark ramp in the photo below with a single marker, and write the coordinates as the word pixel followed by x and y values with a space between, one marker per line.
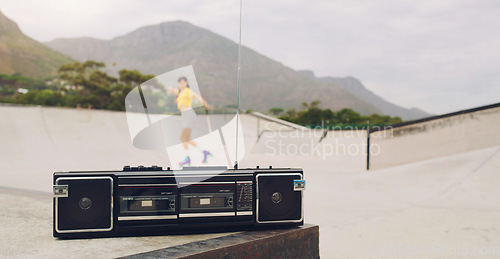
pixel 436 137
pixel 436 204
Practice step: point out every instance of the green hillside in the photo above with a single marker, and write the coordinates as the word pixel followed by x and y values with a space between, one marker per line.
pixel 19 54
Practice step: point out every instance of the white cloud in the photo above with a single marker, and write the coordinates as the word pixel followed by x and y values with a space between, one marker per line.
pixel 440 56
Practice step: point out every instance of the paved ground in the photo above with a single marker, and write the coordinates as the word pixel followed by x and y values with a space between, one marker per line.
pixel 442 207
pixel 26 220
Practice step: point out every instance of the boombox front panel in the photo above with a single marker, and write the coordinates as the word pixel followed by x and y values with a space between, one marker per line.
pixel 87 205
pixel 118 203
pixel 277 199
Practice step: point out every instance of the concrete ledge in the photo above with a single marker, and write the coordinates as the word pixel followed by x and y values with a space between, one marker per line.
pixel 279 121
pixel 298 242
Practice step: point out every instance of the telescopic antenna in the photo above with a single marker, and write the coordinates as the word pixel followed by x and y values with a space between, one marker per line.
pixel 238 91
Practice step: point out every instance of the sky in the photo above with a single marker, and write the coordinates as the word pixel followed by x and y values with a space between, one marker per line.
pixel 440 56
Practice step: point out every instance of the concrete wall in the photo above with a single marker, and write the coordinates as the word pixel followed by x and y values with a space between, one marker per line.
pixel 338 150
pixel 435 138
pixel 54 139
pixel 45 140
pixel 48 139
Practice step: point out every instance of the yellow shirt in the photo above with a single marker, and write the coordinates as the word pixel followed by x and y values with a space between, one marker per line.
pixel 185 99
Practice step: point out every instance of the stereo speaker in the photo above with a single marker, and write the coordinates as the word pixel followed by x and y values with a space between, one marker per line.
pixel 278 200
pixel 87 206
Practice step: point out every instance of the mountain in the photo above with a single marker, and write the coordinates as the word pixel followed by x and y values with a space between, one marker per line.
pixel 357 88
pixel 23 55
pixel 164 47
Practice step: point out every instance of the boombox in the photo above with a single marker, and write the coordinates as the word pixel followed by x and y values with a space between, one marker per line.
pixel 150 200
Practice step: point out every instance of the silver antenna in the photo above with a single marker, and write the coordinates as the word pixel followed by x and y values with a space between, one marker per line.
pixel 238 92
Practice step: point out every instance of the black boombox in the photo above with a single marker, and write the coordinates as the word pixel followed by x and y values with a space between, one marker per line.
pixel 149 200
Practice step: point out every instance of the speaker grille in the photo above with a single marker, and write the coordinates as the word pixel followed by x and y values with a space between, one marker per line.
pixel 277 201
pixel 88 206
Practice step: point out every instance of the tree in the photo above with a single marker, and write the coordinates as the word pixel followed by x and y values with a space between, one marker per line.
pixel 347 115
pixel 83 83
pixel 276 111
pixel 328 115
pixel 92 86
pixel 45 97
pixel 133 77
pixel 312 115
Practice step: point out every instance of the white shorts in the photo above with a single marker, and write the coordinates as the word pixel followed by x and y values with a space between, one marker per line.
pixel 188 118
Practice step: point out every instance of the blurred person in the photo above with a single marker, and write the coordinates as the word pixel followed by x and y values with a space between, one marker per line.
pixel 184 101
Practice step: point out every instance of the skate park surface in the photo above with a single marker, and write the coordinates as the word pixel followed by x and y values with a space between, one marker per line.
pixel 432 190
